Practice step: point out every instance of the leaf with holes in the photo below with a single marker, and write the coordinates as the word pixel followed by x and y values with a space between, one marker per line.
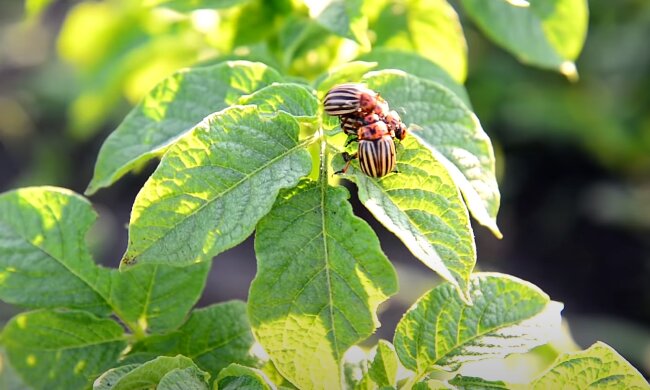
pixel 508 316
pixel 321 275
pixel 213 186
pixel 172 109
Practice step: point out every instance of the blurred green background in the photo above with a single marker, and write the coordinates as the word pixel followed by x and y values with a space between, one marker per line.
pixel 573 158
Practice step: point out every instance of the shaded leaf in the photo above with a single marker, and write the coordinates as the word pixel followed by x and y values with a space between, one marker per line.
pixel 342 17
pixel 213 337
pixel 600 366
pixel 416 65
pixel 428 27
pixel 546 33
pixel 236 376
pixel 44 261
pixel 61 350
pixel 34 8
pixel 423 207
pixel 453 134
pixel 432 384
pixel 170 110
pixel 155 297
pixel 321 275
pixel 508 316
pixel 189 378
pixel 212 187
pixel 151 374
pixel 191 5
pixel 473 383
pixel 108 379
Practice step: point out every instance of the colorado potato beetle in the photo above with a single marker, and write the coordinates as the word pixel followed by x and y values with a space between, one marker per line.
pixel 376 152
pixel 351 98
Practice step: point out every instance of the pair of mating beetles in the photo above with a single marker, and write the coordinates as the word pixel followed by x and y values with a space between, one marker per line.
pixel 365 115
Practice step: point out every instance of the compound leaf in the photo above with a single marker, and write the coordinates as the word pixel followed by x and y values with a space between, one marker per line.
pixel 600 366
pixel 546 33
pixel 321 275
pixel 423 207
pixel 383 369
pixel 170 110
pixel 61 350
pixel 213 337
pixel 453 134
pixel 508 316
pixel 428 27
pixel 44 261
pixel 213 185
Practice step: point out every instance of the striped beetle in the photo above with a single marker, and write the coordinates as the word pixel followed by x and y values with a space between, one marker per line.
pixel 350 98
pixel 376 150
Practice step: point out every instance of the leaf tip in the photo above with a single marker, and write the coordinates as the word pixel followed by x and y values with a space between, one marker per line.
pixel 569 70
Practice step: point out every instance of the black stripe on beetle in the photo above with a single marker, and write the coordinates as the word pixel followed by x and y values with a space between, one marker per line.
pixel 346 99
pixel 377 157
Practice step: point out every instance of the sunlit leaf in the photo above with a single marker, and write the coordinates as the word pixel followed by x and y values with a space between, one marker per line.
pixel 44 261
pixel 342 17
pixel 423 207
pixel 170 110
pixel 214 337
pixel 416 65
pixel 453 134
pixel 213 185
pixel 320 276
pixel 428 27
pixel 600 366
pixel 508 316
pixel 383 369
pixel 294 99
pixel 236 376
pixel 61 350
pixel 155 297
pixel 546 33
pixel 108 379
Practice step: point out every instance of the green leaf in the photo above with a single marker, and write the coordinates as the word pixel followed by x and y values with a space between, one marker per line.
pixel 431 384
pixel 150 374
pixel 294 99
pixel 600 366
pixel 343 18
pixel 383 369
pixel 416 65
pixel 34 8
pixel 453 134
pixel 473 383
pixel 44 262
pixel 189 378
pixel 108 379
pixel 154 297
pixel 423 207
pixel 345 73
pixel 61 350
pixel 192 5
pixel 428 27
pixel 183 379
pixel 545 33
pixel 213 337
pixel 508 316
pixel 320 277
pixel 170 110
pixel 236 376
pixel 212 187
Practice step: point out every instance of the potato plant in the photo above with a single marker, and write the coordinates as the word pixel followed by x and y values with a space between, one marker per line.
pixel 245 148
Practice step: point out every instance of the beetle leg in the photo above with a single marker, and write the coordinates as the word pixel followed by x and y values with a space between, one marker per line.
pixel 351 138
pixel 347 157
